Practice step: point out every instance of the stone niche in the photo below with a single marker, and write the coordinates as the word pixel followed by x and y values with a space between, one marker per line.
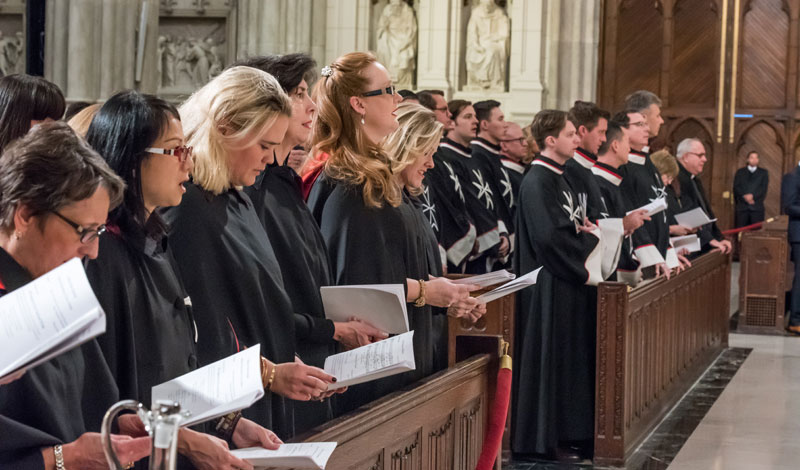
pixel 196 41
pixel 12 37
pixel 485 47
pixel 394 38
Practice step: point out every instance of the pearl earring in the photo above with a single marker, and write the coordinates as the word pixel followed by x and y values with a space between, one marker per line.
pixel 16 235
pixel 362 118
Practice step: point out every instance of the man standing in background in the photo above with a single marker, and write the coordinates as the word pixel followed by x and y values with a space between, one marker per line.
pixel 749 191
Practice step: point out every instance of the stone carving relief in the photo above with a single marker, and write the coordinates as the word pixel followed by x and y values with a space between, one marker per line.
pixel 190 52
pixel 396 34
pixel 12 53
pixel 488 33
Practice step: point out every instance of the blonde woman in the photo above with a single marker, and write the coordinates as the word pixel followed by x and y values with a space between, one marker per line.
pixel 222 251
pixel 81 121
pixel 667 167
pixel 370 228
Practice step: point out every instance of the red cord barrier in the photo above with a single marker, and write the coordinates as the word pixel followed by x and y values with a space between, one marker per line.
pixel 747 228
pixel 498 414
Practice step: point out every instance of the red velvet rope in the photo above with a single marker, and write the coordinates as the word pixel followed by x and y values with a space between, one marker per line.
pixel 746 228
pixel 497 422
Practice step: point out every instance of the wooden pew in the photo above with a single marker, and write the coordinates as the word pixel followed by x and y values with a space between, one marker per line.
pixel 653 343
pixel 436 424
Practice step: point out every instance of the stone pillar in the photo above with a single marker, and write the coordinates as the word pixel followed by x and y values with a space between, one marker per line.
pixel 435 44
pixel 348 28
pixel 526 61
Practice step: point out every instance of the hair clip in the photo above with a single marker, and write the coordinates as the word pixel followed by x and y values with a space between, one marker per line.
pixel 327 71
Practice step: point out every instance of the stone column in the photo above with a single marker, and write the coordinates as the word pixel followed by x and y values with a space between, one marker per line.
pixel 526 62
pixel 435 62
pixel 347 28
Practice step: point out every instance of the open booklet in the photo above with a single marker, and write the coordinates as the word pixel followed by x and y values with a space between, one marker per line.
pixel 381 305
pixel 511 287
pixel 47 317
pixel 228 385
pixel 302 456
pixel 371 362
pixel 654 207
pixel 488 279
pixel 694 218
pixel 691 243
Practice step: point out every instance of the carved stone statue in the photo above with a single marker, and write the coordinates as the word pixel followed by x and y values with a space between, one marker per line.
pixel 12 54
pixel 488 32
pixel 397 42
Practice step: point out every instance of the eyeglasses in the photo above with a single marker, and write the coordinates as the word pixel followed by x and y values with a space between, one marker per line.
pixel 389 90
pixel 183 152
pixel 521 140
pixel 699 155
pixel 87 235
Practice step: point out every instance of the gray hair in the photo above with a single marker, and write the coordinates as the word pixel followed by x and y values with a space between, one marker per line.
pixel 49 168
pixel 685 146
pixel 640 101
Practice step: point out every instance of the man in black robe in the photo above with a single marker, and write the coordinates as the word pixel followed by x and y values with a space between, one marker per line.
pixel 553 383
pixel 514 151
pixel 590 123
pixel 749 191
pixel 692 158
pixel 492 128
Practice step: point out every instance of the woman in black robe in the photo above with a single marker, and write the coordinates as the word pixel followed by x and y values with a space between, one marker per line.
pixel 55 193
pixel 367 222
pixel 224 256
pixel 150 334
pixel 296 239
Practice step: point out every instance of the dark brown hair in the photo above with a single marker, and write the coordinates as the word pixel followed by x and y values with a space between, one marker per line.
pixel 25 98
pixel 546 123
pixel 51 167
pixel 586 114
pixel 456 106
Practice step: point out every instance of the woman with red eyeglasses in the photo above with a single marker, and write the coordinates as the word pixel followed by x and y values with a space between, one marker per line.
pixel 151 335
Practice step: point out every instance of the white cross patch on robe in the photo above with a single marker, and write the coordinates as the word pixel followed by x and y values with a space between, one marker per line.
pixel 660 192
pixel 429 209
pixel 484 191
pixel 573 212
pixel 456 182
pixel 508 194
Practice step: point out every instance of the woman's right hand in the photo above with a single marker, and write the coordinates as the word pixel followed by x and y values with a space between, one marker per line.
pixel 208 452
pixel 679 230
pixel 355 333
pixel 297 381
pixel 86 452
pixel 441 292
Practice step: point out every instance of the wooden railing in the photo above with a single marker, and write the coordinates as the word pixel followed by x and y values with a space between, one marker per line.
pixel 437 424
pixel 653 343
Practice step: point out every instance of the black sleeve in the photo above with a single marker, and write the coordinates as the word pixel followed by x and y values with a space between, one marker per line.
pixel 761 191
pixel 310 328
pixel 789 196
pixel 739 186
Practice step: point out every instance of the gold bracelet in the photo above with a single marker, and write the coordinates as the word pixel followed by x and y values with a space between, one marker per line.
pixel 420 302
pixel 272 376
pixel 59 454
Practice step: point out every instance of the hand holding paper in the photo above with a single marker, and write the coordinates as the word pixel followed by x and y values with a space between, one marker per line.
pixel 511 287
pixel 694 218
pixel 373 361
pixel 381 305
pixel 302 456
pixel 655 206
pixel 488 279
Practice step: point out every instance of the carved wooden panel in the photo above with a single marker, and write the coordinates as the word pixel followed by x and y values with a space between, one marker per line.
pixel 373 462
pixel 693 71
pixel 407 453
pixel 639 38
pixel 470 435
pixel 767 138
pixel 764 53
pixel 441 442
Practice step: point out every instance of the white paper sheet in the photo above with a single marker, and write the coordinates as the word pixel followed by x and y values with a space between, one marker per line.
pixel 511 287
pixel 228 385
pixel 488 279
pixel 374 361
pixel 656 206
pixel 688 242
pixel 47 317
pixel 302 456
pixel 694 218
pixel 381 305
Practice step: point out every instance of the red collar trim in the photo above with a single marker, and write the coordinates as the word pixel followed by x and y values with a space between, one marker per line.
pixel 2 286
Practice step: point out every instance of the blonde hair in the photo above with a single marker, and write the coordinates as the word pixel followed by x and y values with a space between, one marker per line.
pixel 237 103
pixel 80 122
pixel 665 163
pixel 418 134
pixel 337 131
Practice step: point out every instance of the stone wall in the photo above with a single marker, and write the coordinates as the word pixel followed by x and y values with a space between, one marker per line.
pixel 171 47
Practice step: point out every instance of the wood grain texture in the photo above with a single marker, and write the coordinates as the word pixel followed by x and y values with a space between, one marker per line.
pixel 767 139
pixel 639 45
pixel 695 54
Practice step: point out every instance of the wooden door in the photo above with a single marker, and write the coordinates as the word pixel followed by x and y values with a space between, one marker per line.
pixel 711 61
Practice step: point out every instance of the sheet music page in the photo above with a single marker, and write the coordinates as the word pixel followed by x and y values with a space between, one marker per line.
pixel 305 455
pixel 656 206
pixel 230 384
pixel 511 287
pixel 689 242
pixel 394 355
pixel 488 279
pixel 694 218
pixel 37 318
pixel 381 305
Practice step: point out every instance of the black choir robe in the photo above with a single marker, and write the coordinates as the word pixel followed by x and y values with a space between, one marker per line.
pixel 692 195
pixel 489 156
pixel 383 245
pixel 516 171
pixel 55 402
pixel 554 354
pixel 578 172
pixel 444 205
pixel 614 205
pixel 300 250
pixel 230 271
pixel 641 184
pixel 150 331
pixel 479 200
pixel 755 183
